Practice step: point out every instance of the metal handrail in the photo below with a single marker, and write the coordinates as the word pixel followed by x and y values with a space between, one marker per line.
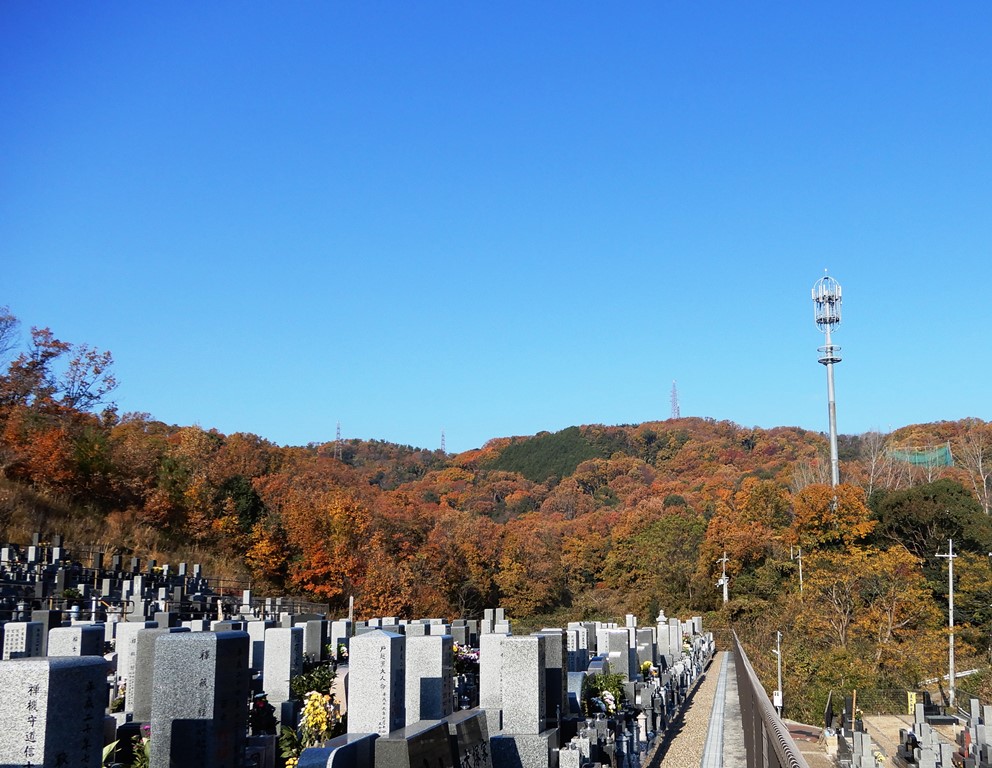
pixel 766 738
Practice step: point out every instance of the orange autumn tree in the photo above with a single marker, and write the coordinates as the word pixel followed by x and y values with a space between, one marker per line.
pixel 830 517
pixel 327 530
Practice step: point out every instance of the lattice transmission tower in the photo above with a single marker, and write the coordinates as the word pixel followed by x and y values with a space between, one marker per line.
pixel 337 444
pixel 676 413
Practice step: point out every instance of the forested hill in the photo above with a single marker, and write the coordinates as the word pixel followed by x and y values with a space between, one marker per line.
pixel 589 521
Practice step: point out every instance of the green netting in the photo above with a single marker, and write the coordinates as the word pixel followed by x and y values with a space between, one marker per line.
pixel 925 457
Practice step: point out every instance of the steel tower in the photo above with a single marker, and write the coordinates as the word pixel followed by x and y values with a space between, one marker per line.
pixel 826 311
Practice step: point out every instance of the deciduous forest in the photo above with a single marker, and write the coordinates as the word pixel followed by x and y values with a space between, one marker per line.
pixel 590 522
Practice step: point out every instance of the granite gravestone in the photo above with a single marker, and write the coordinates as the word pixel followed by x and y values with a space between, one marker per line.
pixel 469 735
pixel 524 685
pixel 429 677
pixel 256 631
pixel 53 711
pixel 22 639
pixel 555 676
pixel 201 683
pixel 377 679
pixel 138 697
pixel 351 750
pixel 424 743
pixel 80 640
pixel 127 647
pixel 491 678
pixel 283 661
pixel 49 620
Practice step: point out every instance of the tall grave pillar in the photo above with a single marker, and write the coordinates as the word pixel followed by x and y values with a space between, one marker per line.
pixel 524 742
pixel 282 660
pixel 53 711
pixel 377 677
pixel 429 678
pixel 201 683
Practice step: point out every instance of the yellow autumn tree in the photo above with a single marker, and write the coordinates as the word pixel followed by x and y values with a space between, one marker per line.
pixel 826 517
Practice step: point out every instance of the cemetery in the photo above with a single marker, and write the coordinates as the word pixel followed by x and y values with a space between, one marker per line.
pixel 113 663
pixel 173 672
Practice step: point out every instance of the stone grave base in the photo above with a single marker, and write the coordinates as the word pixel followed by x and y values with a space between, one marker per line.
pixel 515 750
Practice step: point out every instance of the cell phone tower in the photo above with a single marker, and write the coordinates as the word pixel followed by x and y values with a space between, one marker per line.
pixel 826 310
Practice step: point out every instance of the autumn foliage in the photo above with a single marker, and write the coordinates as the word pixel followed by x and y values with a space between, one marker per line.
pixel 592 521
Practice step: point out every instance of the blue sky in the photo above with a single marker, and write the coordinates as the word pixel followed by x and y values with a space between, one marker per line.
pixel 497 219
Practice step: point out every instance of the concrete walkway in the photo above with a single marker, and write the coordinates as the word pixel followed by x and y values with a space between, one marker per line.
pixel 725 737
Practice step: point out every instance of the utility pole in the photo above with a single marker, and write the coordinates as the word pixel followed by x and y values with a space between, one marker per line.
pixel 950 619
pixel 723 579
pixel 777 696
pixel 798 558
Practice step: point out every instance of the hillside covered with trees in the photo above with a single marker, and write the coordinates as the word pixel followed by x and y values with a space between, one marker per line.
pixel 589 522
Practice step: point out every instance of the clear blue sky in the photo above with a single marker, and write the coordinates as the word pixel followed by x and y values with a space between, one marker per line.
pixel 496 219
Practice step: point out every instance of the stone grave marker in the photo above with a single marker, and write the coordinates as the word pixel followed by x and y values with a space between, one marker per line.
pixel 341 632
pixel 283 660
pixel 199 717
pixel 22 639
pixel 423 743
pixel 127 647
pixel 80 640
pixel 555 676
pixel 469 732
pixel 429 678
pixel 491 678
pixel 315 636
pixel 53 711
pixel 351 750
pixel 256 631
pixel 49 620
pixel 524 686
pixel 138 697
pixel 377 678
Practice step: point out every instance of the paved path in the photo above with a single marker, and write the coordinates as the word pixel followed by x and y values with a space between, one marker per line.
pixel 710 733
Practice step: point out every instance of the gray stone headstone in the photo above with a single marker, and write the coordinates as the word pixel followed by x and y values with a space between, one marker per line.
pixel 417 629
pixel 491 678
pixel 197 625
pixel 201 685
pixel 315 636
pixel 22 639
pixel 166 619
pixel 555 675
pixel 460 634
pixel 127 647
pixel 469 731
pixel 138 698
pixel 283 661
pixel 341 632
pixel 429 678
pixel 53 711
pixel 81 640
pixel 49 620
pixel 576 682
pixel 422 743
pixel 524 684
pixel 377 679
pixel 646 647
pixel 524 750
pixel 352 750
pixel 256 631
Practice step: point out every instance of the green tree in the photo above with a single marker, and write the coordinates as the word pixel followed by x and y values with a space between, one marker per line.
pixel 923 518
